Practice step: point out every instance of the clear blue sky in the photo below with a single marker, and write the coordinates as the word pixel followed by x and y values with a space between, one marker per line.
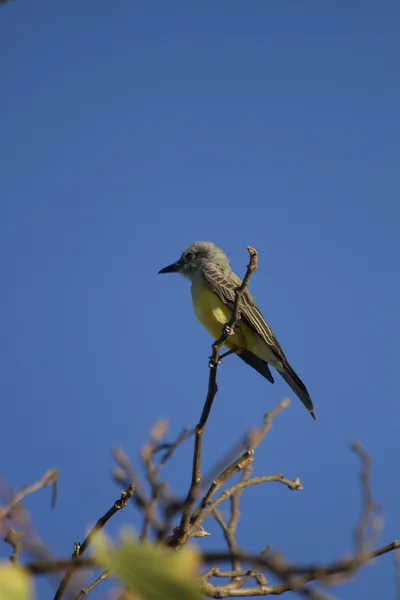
pixel 129 130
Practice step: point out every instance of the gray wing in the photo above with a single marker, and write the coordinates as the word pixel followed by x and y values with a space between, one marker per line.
pixel 224 285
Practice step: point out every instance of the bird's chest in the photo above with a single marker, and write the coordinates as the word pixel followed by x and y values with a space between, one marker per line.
pixel 209 309
pixel 213 313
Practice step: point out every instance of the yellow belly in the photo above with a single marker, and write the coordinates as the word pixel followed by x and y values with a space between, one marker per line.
pixel 213 314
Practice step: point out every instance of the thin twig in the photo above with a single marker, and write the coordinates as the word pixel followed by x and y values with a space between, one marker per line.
pixel 229 529
pixel 49 478
pixel 169 448
pixel 152 472
pixel 125 474
pixel 369 510
pixel 216 572
pixel 308 592
pixel 75 559
pixel 14 539
pixel 91 587
pixel 301 574
pixel 161 496
pixel 233 521
pixel 277 477
pixel 252 440
pixel 43 567
pixel 226 591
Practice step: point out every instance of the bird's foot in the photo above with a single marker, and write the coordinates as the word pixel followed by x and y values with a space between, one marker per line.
pixel 213 364
pixel 228 330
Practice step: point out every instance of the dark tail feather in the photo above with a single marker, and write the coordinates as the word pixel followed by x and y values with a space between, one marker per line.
pixel 257 363
pixel 298 387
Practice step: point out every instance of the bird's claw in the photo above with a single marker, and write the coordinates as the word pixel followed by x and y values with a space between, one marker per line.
pixel 227 330
pixel 213 363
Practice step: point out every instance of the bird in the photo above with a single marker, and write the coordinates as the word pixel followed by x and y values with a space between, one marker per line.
pixel 213 285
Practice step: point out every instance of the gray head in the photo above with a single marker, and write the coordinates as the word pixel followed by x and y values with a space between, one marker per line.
pixel 194 258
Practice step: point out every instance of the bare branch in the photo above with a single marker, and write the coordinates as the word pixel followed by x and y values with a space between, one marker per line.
pixel 117 506
pixel 91 587
pixel 168 448
pixel 294 577
pixel 49 478
pixel 278 477
pixel 369 522
pixel 14 539
pixel 124 475
pixel 301 575
pixel 216 572
pixel 223 591
pixel 152 472
pixel 42 567
pixel 229 529
pixel 251 441
pixel 160 494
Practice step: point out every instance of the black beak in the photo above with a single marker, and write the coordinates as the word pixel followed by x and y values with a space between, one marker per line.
pixel 174 268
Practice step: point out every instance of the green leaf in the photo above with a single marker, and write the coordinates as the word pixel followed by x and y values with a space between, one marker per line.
pixel 15 583
pixel 151 572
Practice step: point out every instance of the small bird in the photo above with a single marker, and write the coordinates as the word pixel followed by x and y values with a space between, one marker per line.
pixel 213 293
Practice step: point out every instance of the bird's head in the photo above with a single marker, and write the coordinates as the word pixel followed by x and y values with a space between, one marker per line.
pixel 195 256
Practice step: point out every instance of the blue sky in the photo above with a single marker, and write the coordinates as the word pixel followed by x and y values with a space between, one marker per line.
pixel 129 130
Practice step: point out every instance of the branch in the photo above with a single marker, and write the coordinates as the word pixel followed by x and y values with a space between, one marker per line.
pixel 229 529
pixel 91 587
pixel 223 591
pixel 251 442
pixel 181 534
pixel 80 549
pixel 300 575
pixel 14 539
pixel 152 472
pixel 125 474
pixel 159 491
pixel 291 484
pixel 369 521
pixel 43 567
pixel 168 448
pixel 216 572
pixel 49 478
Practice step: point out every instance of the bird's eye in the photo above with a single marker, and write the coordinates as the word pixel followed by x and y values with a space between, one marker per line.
pixel 190 256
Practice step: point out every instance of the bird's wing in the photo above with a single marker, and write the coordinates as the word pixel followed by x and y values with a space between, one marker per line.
pixel 257 363
pixel 224 285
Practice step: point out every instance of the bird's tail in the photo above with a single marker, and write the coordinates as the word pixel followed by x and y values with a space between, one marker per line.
pixel 298 387
pixel 257 363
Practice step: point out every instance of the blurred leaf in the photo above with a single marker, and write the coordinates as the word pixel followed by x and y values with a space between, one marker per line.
pixel 151 572
pixel 15 583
